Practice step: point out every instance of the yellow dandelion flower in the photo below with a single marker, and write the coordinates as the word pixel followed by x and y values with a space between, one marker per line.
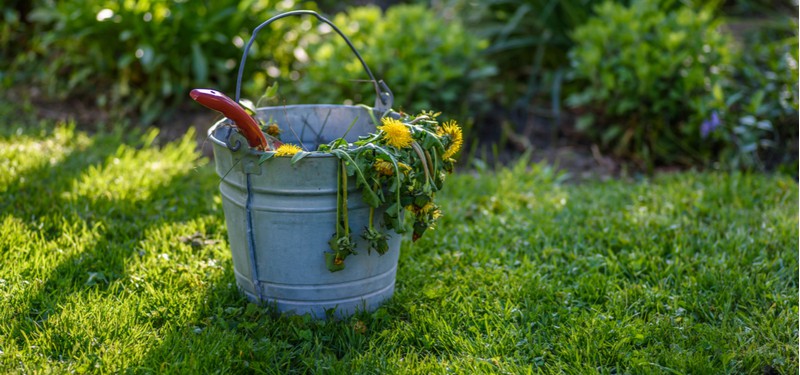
pixel 395 133
pixel 416 210
pixel 452 130
pixel 273 130
pixel 287 149
pixel 431 114
pixel 384 167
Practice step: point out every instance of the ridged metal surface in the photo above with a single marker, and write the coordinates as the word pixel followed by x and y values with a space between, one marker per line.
pixel 292 215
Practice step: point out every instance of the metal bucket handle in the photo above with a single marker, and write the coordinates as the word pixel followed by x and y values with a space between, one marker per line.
pixel 385 97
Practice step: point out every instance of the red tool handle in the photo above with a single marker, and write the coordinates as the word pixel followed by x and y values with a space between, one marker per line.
pixel 222 103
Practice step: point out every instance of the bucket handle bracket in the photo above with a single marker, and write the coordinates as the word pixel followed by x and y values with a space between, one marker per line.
pixel 234 141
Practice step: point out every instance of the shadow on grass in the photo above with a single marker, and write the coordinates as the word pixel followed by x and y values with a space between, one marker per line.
pixel 213 329
pixel 228 334
pixel 44 199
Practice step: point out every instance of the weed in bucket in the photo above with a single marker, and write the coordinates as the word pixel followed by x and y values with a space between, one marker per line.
pixel 401 166
pixel 336 184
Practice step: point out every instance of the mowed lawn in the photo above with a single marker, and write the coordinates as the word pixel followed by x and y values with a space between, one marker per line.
pixel 114 258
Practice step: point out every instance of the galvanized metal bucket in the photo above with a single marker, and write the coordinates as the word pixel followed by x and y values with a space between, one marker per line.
pixel 280 216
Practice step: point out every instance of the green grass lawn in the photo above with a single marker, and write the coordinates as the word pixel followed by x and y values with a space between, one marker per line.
pixel 114 258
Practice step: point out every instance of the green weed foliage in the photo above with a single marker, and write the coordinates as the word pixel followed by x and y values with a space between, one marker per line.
pixel 114 258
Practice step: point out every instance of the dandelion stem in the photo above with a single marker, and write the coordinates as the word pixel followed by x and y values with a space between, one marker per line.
pixel 371 217
pixel 416 120
pixel 372 210
pixel 344 201
pixel 423 161
pixel 339 202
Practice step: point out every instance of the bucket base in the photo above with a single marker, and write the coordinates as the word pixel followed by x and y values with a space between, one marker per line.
pixel 340 308
pixel 344 299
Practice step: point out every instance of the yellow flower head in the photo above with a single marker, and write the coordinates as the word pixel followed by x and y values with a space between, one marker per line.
pixel 452 130
pixel 395 133
pixel 424 210
pixel 387 168
pixel 287 149
pixel 273 130
pixel 428 207
pixel 384 167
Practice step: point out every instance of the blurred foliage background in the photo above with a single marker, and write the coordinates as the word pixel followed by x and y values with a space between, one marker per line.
pixel 707 84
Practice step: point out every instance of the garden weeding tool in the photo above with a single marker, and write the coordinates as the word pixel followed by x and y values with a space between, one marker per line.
pixel 244 122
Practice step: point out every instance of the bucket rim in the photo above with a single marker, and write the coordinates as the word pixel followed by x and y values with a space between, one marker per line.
pixel 252 151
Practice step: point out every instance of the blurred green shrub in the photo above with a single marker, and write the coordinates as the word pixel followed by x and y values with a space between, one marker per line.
pixel 142 55
pixel 655 73
pixel 428 63
pixel 529 42
pixel 759 120
pixel 750 8
pixel 14 35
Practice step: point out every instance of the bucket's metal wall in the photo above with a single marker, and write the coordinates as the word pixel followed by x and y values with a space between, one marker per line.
pixel 293 212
